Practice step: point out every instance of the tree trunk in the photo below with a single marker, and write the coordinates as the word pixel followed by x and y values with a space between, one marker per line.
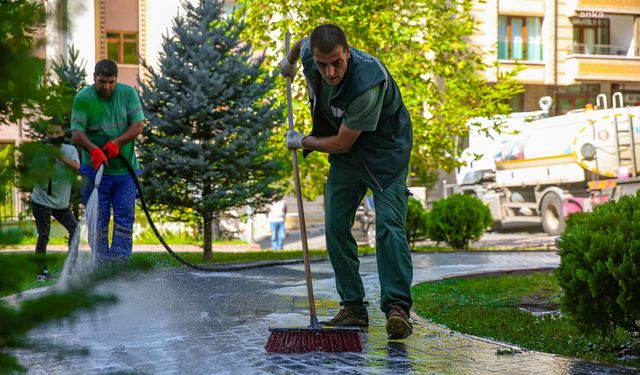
pixel 207 255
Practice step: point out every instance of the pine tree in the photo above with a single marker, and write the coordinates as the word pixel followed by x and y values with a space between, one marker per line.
pixel 20 68
pixel 208 120
pixel 55 108
pixel 57 95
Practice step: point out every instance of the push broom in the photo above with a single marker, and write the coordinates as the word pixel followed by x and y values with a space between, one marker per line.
pixel 313 338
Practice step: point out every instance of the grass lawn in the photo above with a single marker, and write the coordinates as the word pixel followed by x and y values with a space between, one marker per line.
pixel 492 307
pixel 26 234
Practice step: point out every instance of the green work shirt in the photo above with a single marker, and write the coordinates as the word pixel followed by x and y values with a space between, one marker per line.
pixel 382 149
pixel 361 114
pixel 103 120
pixel 61 181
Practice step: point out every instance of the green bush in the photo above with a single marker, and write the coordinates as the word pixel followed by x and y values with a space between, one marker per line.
pixel 600 266
pixel 416 227
pixel 15 235
pixel 457 220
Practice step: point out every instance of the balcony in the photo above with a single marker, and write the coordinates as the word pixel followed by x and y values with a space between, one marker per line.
pixel 606 6
pixel 600 62
pixel 603 49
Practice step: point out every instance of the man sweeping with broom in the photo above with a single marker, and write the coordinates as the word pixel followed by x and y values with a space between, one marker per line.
pixel 360 120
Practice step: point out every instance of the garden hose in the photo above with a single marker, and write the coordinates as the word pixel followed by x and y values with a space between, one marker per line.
pixel 218 268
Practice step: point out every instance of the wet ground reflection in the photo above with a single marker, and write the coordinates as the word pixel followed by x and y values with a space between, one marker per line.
pixel 177 321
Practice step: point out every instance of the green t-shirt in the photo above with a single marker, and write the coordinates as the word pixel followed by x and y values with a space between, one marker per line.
pixel 61 181
pixel 103 120
pixel 363 112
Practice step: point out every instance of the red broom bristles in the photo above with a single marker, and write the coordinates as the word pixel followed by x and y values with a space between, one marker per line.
pixel 301 340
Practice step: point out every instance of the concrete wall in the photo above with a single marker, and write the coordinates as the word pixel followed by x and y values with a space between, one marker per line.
pixel 81 34
pixel 159 18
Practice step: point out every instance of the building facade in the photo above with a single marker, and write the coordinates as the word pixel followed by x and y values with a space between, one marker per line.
pixel 125 31
pixel 570 50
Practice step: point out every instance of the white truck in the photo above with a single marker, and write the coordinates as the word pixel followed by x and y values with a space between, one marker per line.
pixel 540 169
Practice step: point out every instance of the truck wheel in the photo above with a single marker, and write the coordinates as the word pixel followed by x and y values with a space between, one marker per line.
pixel 552 214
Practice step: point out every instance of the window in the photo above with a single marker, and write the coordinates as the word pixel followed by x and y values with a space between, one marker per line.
pixel 517 102
pixel 591 36
pixel 576 97
pixel 122 47
pixel 519 38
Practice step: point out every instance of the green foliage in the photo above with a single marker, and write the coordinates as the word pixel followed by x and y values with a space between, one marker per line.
pixel 424 44
pixel 19 318
pixel 16 236
pixel 36 165
pixel 20 69
pixel 458 220
pixel 57 99
pixel 490 307
pixel 600 266
pixel 416 227
pixel 147 236
pixel 209 117
pixel 7 167
pixel 55 107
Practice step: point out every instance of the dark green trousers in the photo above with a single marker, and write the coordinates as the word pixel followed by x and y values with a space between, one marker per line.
pixel 346 187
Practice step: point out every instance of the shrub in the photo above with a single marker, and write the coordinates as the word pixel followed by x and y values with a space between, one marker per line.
pixel 15 235
pixel 457 220
pixel 600 266
pixel 416 227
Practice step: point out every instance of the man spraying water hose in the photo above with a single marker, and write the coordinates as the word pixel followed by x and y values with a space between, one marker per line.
pixel 106 119
pixel 360 120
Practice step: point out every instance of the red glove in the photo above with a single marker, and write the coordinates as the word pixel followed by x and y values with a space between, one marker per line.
pixel 112 149
pixel 97 158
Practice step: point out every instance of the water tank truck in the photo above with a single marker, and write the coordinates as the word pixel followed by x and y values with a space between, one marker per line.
pixel 540 169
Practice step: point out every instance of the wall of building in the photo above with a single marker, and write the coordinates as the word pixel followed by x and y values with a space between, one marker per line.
pixel 81 33
pixel 159 18
pixel 121 15
pixel 532 95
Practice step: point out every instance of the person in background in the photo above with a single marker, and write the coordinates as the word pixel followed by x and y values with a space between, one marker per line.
pixel 106 119
pixel 277 215
pixel 51 197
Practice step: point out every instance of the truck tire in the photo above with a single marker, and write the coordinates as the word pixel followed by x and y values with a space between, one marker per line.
pixel 552 214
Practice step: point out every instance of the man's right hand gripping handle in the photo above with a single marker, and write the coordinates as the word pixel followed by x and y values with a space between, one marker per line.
pixel 97 158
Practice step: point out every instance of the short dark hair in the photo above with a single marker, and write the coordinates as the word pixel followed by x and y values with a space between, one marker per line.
pixel 106 68
pixel 327 37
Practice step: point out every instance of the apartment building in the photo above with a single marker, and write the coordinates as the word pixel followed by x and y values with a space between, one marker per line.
pixel 571 50
pixel 121 30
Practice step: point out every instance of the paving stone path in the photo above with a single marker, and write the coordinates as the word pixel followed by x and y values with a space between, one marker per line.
pixel 179 321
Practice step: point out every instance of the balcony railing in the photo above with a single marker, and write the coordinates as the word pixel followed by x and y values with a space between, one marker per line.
pixel 603 49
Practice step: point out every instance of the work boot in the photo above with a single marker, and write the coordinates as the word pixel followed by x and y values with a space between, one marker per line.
pixel 348 318
pixel 398 325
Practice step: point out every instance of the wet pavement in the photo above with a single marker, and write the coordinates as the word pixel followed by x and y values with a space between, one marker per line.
pixel 511 240
pixel 179 321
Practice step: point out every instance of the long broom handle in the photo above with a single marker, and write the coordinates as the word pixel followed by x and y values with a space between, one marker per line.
pixel 303 227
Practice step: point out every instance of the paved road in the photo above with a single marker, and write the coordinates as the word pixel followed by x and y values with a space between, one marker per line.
pixel 178 321
pixel 514 240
